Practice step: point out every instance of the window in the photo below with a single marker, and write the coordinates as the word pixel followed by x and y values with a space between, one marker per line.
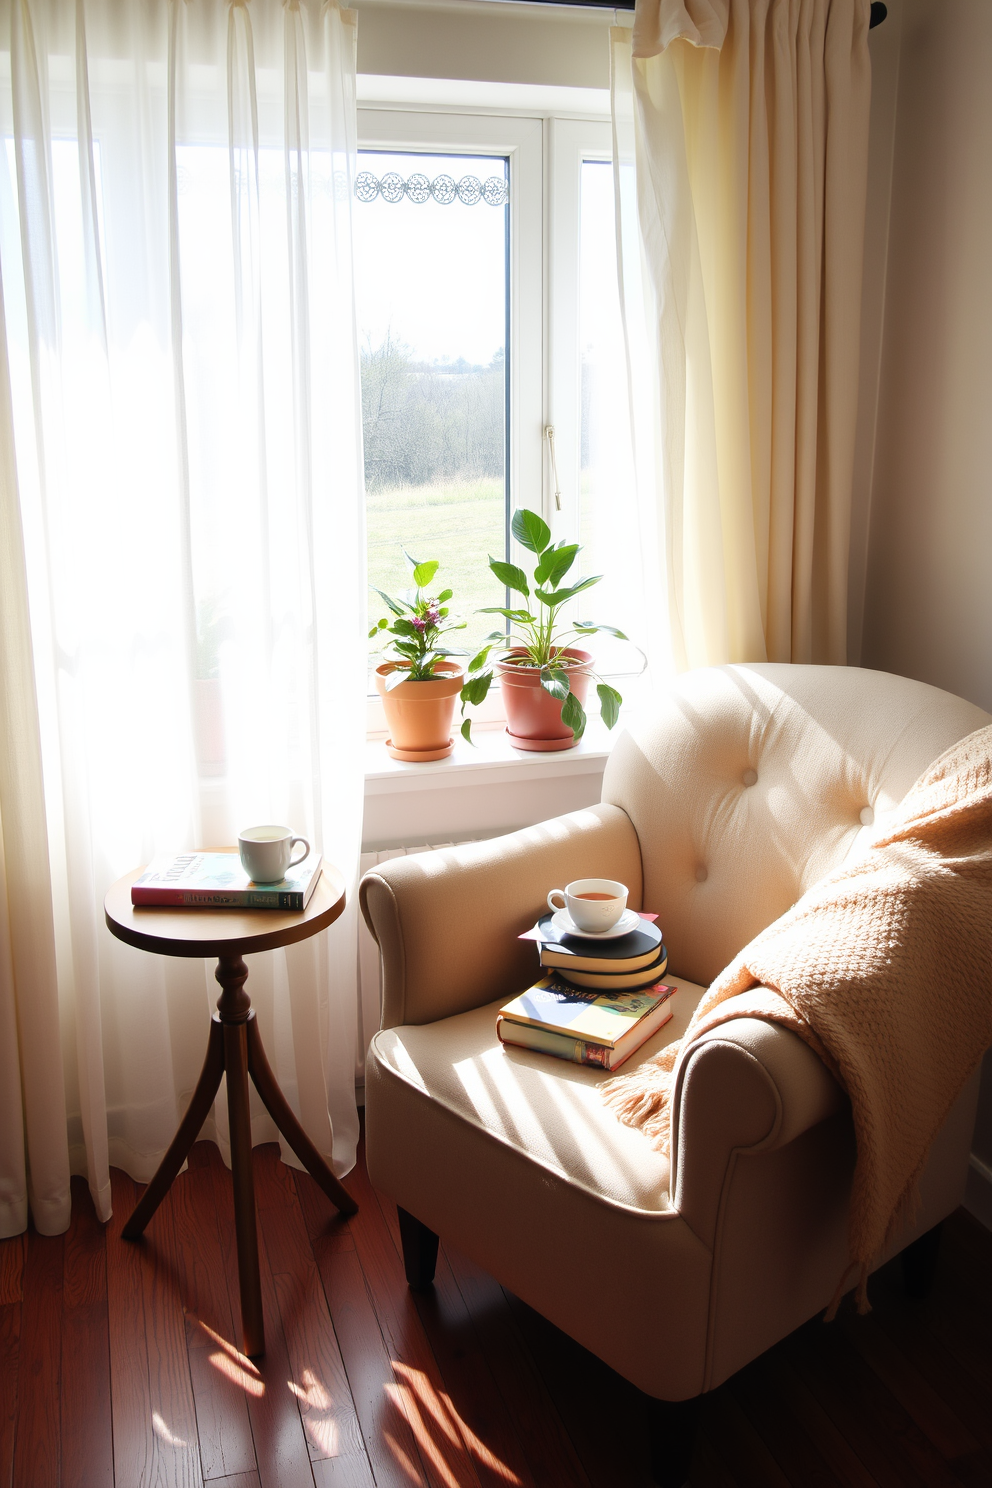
pixel 439 281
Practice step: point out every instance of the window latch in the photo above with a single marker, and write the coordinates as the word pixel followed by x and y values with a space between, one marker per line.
pixel 549 434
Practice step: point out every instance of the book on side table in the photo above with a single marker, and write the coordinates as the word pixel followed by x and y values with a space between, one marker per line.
pixel 216 880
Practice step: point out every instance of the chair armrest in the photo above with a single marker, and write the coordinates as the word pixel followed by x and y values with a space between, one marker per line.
pixel 745 1086
pixel 447 921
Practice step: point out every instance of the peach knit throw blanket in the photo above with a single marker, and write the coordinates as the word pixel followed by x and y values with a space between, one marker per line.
pixel 885 969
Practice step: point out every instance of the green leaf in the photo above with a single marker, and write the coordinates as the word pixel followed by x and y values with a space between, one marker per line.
pixel 523 617
pixel 561 595
pixel 510 575
pixel 555 564
pixel 480 658
pixel 610 701
pixel 407 648
pixel 395 605
pixel 555 681
pixel 466 731
pixel 445 594
pixel 530 530
pixel 405 627
pixel 383 623
pixel 395 678
pixel 573 715
pixel 424 572
pixel 374 631
pixel 476 688
pixel 588 627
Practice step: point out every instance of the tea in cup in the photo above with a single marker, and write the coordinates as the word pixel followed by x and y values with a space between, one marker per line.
pixel 593 904
pixel 267 852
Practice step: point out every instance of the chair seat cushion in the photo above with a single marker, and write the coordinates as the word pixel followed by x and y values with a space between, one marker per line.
pixel 548 1109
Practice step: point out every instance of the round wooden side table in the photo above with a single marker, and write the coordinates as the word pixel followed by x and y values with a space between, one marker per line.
pixel 234 1048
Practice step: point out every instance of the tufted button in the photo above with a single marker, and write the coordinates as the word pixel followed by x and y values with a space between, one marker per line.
pixel 750 777
pixel 701 874
pixel 867 816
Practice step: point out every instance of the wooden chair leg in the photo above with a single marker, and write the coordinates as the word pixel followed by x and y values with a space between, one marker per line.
pixel 189 1129
pixel 919 1264
pixel 282 1114
pixel 672 1440
pixel 419 1251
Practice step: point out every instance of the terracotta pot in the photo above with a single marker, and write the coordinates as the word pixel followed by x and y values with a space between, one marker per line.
pixel 533 716
pixel 419 714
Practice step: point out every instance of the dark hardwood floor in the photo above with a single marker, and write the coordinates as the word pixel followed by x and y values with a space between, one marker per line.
pixel 119 1366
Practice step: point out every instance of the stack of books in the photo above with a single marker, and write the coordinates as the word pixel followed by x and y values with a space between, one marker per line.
pixel 599 1000
pixel 216 880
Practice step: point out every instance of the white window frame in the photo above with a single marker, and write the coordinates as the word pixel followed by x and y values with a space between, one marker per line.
pixel 545 156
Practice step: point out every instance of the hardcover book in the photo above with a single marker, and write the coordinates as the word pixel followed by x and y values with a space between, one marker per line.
pixel 600 1017
pixel 216 880
pixel 554 1018
pixel 615 981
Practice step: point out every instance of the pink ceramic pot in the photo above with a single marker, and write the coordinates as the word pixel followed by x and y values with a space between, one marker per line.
pixel 533 716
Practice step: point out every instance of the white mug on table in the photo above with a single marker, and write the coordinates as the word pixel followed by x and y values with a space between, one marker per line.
pixel 267 852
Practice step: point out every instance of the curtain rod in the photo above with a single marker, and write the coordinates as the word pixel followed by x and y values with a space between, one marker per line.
pixel 877 11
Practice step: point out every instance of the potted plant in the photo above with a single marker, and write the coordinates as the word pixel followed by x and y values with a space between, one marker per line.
pixel 419 682
pixel 544 677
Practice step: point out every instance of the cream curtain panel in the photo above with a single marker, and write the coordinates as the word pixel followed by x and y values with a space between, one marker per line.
pixel 741 144
pixel 182 566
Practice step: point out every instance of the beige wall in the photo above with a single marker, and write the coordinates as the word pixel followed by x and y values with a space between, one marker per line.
pixel 923 490
pixel 928 590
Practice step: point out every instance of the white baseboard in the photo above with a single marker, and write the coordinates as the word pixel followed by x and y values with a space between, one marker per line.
pixel 978 1193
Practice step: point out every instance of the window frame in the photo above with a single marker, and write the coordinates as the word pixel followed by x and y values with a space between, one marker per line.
pixel 545 154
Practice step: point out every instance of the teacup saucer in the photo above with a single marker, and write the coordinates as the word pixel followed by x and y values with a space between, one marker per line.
pixel 565 925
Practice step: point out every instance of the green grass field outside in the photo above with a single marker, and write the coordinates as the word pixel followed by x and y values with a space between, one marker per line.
pixel 460 523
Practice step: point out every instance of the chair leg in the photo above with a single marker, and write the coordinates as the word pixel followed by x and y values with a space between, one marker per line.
pixel 419 1251
pixel 919 1264
pixel 672 1439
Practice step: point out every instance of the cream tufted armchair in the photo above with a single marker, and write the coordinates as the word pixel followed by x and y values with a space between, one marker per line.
pixel 746 786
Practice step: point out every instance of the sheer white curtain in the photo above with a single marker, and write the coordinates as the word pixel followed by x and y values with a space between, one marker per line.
pixel 183 589
pixel 741 142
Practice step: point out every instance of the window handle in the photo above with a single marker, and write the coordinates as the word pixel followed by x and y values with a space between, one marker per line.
pixel 549 434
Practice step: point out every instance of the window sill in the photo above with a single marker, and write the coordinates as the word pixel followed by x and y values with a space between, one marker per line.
pixel 492 760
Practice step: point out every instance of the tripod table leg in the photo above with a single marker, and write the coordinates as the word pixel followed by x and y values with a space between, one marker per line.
pixel 189 1129
pixel 282 1114
pixel 239 1121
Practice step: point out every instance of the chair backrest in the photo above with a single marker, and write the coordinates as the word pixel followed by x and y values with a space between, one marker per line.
pixel 749 783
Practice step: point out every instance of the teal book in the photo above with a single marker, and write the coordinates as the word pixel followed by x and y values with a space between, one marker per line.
pixel 216 880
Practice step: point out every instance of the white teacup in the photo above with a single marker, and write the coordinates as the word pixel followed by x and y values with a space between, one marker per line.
pixel 267 852
pixel 594 904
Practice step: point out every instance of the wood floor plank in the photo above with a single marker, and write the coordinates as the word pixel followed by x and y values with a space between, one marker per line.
pixel 10 1339
pixel 442 1437
pixel 221 1377
pixel 934 1416
pixel 237 1480
pixel 780 1431
pixel 389 1440
pixel 546 1444
pixel 281 1453
pixel 87 1416
pixel 487 1424
pixel 318 1377
pixel 37 1442
pixel 740 1447
pixel 12 1254
pixel 792 1395
pixel 612 1458
pixel 155 1438
pixel 885 1437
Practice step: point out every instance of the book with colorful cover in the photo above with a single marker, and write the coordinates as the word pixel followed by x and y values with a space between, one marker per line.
pixel 553 1017
pixel 216 880
pixel 553 1004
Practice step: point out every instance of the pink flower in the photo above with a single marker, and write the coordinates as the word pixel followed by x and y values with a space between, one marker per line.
pixel 418 623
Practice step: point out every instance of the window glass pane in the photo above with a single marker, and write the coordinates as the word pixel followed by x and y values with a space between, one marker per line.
pixel 606 510
pixel 431 265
